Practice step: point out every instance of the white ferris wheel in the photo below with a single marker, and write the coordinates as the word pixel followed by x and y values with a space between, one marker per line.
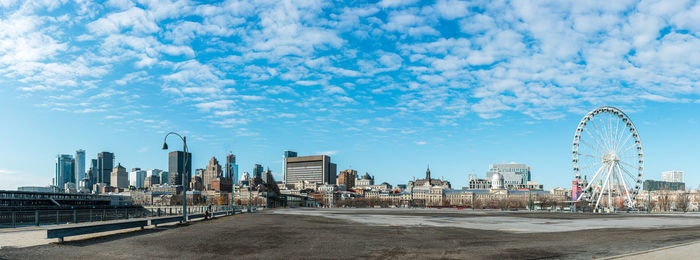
pixel 607 150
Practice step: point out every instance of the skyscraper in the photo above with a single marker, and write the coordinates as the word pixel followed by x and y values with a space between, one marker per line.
pixel 231 168
pixel 212 172
pixel 137 177
pixel 65 170
pixel 79 165
pixel 230 161
pixel 257 171
pixel 672 176
pixel 287 154
pixel 105 163
pixel 266 175
pixel 92 174
pixel 119 177
pixel 177 168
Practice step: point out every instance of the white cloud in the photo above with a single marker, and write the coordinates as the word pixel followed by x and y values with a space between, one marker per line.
pixel 89 110
pixel 329 153
pixel 231 122
pixel 193 77
pixel 395 3
pixel 451 9
pixel 330 90
pixel 435 62
pixel 36 88
pixel 135 19
pixel 286 115
pixel 409 23
pixel 218 104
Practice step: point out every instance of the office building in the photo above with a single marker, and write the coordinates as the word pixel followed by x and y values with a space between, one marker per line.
pixel 257 171
pixel 164 177
pixel 155 172
pixel 196 184
pixel 91 174
pixel 266 175
pixel 513 173
pixel 151 180
pixel 347 178
pixel 313 169
pixel 221 184
pixel 137 178
pixel 119 178
pixel 672 176
pixel 79 165
pixel 245 178
pixel 65 170
pixel 652 185
pixel 177 170
pixel 105 164
pixel 212 172
pixel 287 154
pixel 231 168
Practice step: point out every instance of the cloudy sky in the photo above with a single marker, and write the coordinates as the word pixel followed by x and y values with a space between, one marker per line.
pixel 385 87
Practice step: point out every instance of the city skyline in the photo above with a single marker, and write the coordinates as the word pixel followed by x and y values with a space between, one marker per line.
pixel 384 88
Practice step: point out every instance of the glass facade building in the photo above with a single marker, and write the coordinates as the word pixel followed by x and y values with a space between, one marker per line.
pixel 65 170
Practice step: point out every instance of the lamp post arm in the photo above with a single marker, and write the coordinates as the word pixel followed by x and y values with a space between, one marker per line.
pixel 184 175
pixel 173 133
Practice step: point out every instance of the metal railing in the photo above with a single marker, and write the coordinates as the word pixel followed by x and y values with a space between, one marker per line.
pixel 10 219
pixel 55 217
pixel 61 232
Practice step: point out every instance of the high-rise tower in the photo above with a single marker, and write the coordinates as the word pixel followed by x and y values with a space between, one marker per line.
pixel 105 164
pixel 65 170
pixel 79 165
pixel 177 168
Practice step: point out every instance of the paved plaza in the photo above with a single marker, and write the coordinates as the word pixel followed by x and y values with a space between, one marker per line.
pixel 390 233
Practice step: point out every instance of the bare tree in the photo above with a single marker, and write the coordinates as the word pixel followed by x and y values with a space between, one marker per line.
pixel 682 201
pixel 664 200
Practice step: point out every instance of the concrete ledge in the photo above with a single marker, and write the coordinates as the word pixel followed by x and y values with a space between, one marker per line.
pixel 163 220
pixel 62 232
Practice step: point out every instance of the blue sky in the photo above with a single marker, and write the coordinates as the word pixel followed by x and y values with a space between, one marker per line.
pixel 385 87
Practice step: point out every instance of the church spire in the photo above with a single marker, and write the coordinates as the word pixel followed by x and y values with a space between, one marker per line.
pixel 427 174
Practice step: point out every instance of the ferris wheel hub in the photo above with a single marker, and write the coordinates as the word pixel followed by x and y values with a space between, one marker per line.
pixel 609 158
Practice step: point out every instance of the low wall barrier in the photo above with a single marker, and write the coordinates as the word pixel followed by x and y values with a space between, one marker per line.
pixel 62 232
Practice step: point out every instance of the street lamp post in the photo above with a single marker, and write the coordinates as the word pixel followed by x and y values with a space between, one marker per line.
pixel 184 174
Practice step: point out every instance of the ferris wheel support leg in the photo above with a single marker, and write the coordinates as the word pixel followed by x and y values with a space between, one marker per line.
pixel 602 188
pixel 594 176
pixel 629 199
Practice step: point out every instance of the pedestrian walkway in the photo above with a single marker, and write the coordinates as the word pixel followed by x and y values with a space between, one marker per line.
pixel 682 251
pixel 36 235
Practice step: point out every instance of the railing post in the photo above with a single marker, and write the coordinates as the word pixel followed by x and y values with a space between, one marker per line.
pixel 90 215
pixel 57 212
pixel 14 213
pixel 104 214
pixel 75 216
pixel 36 218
